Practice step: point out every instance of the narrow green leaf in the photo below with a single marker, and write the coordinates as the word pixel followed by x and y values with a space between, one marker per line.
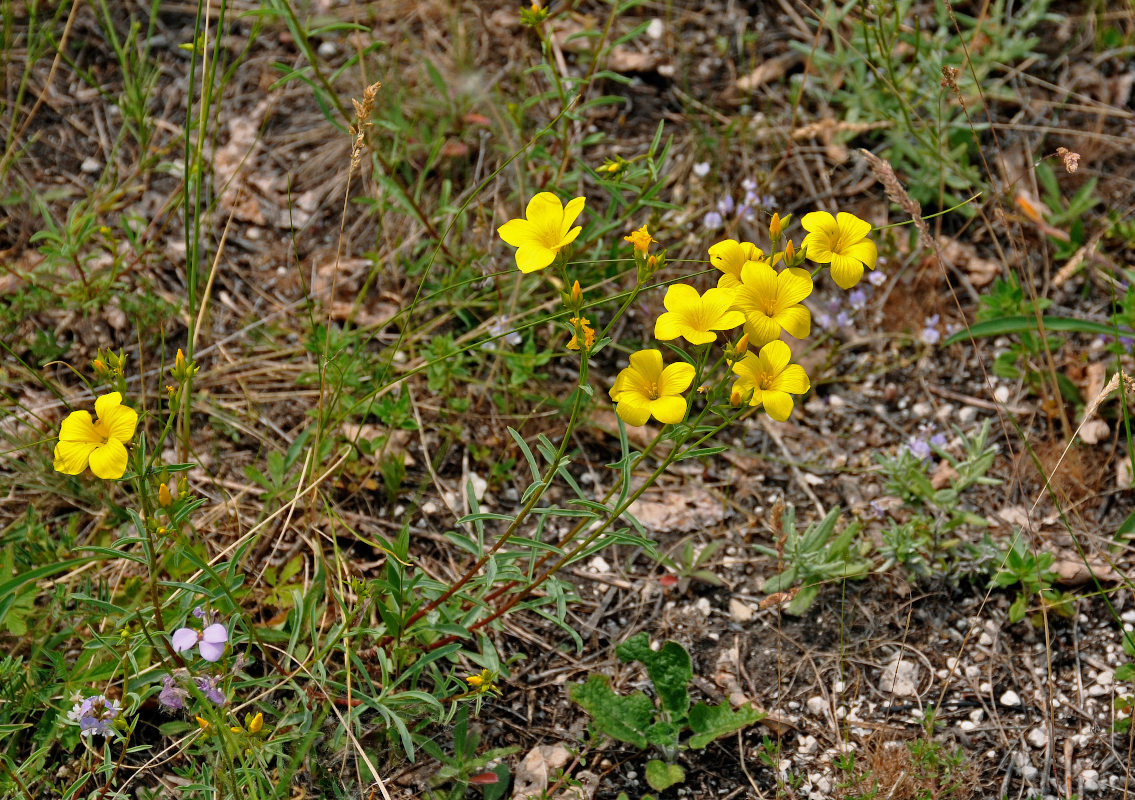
pixel 1023 324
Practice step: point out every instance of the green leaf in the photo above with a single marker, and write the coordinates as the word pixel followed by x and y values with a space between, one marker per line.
pixel 712 722
pixel 623 718
pixel 1125 672
pixel 669 669
pixel 1023 324
pixel 662 776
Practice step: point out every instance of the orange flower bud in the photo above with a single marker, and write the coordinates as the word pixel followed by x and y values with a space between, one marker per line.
pixel 789 251
pixel 735 398
pixel 743 346
pixel 774 227
pixel 576 293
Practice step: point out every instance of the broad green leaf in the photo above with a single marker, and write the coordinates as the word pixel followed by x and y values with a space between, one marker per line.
pixel 712 722
pixel 662 776
pixel 669 669
pixel 624 718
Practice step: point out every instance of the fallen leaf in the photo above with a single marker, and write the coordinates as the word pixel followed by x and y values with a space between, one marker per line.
pixel 687 509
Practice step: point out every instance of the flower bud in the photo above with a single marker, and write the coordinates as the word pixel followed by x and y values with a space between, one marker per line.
pixel 774 226
pixel 743 346
pixel 576 294
pixel 789 252
pixel 257 723
pixel 735 398
pixel 164 496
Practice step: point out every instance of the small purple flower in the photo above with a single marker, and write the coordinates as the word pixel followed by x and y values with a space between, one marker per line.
pixel 857 299
pixel 712 221
pixel 95 715
pixel 876 278
pixel 199 612
pixel 725 205
pixel 822 319
pixel 701 169
pixel 207 685
pixel 930 334
pixel 745 212
pixel 1127 341
pixel 919 448
pixel 878 508
pixel 843 320
pixel 749 185
pixel 938 440
pixel 172 697
pixel 210 642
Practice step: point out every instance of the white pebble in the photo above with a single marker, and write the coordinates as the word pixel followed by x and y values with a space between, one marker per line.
pixel 1091 779
pixel 985 640
pixel 655 29
pixel 816 705
pixel 327 49
pixel 1037 737
pixel 1105 678
pixel 1001 394
pixel 1010 698
pixel 807 745
pixel 838 687
pixel 703 606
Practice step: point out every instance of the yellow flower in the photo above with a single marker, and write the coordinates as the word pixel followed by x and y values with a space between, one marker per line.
pixel 484 681
pixel 644 389
pixel 842 242
pixel 546 230
pixel 729 256
pixel 101 444
pixel 581 324
pixel 694 317
pixel 257 723
pixel 641 240
pixel 771 379
pixel 770 302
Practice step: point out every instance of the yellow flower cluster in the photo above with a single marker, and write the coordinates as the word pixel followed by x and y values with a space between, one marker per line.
pixel 752 293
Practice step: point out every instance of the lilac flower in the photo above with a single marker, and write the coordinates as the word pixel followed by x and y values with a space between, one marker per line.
pixel 725 205
pixel 878 508
pixel 822 319
pixel 843 320
pixel 499 328
pixel 1127 341
pixel 930 333
pixel 95 715
pixel 207 685
pixel 876 278
pixel 745 212
pixel 749 185
pixel 199 612
pixel 172 697
pixel 210 642
pixel 701 169
pixel 938 440
pixel 857 299
pixel 918 447
pixel 712 221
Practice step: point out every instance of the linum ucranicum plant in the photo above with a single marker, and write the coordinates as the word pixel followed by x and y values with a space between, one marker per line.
pixel 174 647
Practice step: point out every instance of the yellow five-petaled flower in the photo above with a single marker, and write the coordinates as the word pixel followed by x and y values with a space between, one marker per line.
pixel 771 379
pixel 100 444
pixel 694 317
pixel 730 256
pixel 546 230
pixel 771 301
pixel 842 242
pixel 644 389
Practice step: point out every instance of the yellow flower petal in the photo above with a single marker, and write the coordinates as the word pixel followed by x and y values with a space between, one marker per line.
pixel 106 405
pixel 796 321
pixel 676 378
pixel 120 422
pixel 71 457
pixel 78 427
pixel 633 411
pixel 777 404
pixel 108 461
pixel 851 227
pixel 670 410
pixel 846 271
pixel 774 357
pixel 668 326
pixel 864 251
pixel 793 380
pixel 793 285
pixel 761 329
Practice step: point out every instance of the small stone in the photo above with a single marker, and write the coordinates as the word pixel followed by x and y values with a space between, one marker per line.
pixel 429 508
pixel 327 49
pixel 808 745
pixel 739 610
pixel 922 409
pixel 479 485
pixel 985 640
pixel 1037 737
pixel 1128 616
pixel 1091 779
pixel 599 566
pixel 900 678
pixel 703 606
pixel 1095 690
pixel 951 663
pixel 816 705
pixel 1011 699
pixel 1001 394
pixel 838 687
pixel 90 165
pixel 967 725
pixel 655 29
pixel 1105 678
pixel 985 688
pixel 977 715
pixel 967 414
